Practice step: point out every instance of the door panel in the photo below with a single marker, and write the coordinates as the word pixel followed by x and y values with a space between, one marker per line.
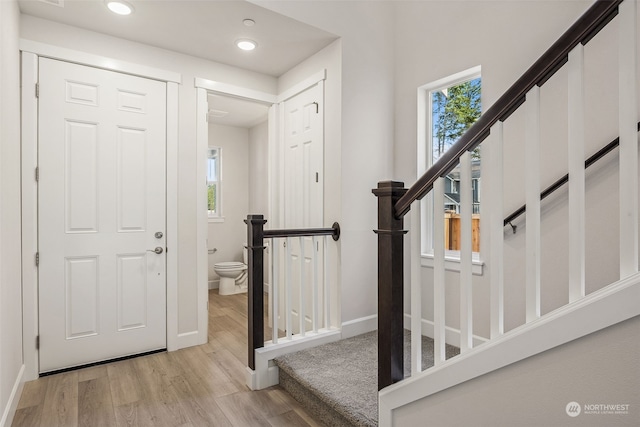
pixel 304 171
pixel 101 198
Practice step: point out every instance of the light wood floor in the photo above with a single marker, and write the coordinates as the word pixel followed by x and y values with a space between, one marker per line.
pixel 197 386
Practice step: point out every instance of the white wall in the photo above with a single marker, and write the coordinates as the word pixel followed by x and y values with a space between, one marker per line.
pixel 259 169
pixel 190 67
pixel 229 237
pixel 505 38
pixel 11 362
pixel 366 123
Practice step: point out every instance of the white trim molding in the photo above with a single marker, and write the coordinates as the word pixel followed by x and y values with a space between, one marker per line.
pixel 173 343
pixel 360 326
pixel 598 310
pixel 14 398
pixel 266 372
pixel 236 91
pixel 303 85
pixel 83 58
pixel 452 263
pixel 29 189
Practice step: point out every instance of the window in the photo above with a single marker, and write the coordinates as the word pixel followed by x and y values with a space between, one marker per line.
pixel 448 108
pixel 214 193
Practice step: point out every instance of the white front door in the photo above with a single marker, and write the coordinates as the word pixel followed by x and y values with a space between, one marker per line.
pixel 101 208
pixel 303 187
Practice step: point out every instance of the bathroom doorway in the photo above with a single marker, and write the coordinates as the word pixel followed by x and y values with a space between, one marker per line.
pixel 269 172
pixel 237 184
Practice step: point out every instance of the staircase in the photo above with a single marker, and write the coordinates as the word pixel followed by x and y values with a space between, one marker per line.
pixel 370 379
pixel 338 381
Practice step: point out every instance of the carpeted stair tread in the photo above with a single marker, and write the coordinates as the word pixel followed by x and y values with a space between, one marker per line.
pixel 343 377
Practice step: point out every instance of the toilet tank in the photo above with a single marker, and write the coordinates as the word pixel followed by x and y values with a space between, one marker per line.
pixel 245 256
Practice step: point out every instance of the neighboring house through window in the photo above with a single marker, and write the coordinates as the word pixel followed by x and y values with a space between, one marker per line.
pixel 214 184
pixel 447 108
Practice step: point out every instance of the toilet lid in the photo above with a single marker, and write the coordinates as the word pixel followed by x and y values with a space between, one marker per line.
pixel 230 265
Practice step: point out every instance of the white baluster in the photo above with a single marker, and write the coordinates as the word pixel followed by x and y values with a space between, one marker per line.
pixel 314 295
pixel 327 283
pixel 288 290
pixel 575 69
pixel 532 198
pixel 303 288
pixel 416 292
pixel 274 290
pixel 486 205
pixel 466 254
pixel 628 131
pixel 438 274
pixel 497 230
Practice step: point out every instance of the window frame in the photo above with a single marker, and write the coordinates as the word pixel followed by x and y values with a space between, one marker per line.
pixel 425 160
pixel 215 216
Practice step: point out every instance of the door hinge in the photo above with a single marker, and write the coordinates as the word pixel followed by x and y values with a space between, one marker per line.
pixel 37 342
pixel 37 259
pixel 37 174
pixel 317 177
pixel 37 90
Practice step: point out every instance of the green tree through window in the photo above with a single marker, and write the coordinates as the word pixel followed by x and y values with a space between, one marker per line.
pixel 454 110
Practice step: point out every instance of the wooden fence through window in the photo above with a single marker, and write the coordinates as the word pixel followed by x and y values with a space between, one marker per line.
pixel 452 232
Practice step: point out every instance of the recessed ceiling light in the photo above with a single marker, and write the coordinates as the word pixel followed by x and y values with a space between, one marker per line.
pixel 246 44
pixel 120 7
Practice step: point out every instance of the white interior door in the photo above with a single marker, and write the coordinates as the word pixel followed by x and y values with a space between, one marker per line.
pixel 101 203
pixel 303 188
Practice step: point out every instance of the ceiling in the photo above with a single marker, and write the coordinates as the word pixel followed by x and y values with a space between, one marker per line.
pixel 240 112
pixel 203 28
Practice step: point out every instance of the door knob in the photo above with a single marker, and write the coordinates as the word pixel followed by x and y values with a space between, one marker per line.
pixel 157 250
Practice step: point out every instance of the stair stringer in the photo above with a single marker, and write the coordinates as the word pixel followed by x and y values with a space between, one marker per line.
pixel 606 307
pixel 266 372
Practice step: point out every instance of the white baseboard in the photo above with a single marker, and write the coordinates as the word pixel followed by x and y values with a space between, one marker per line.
pixel 451 335
pixel 215 284
pixel 354 327
pixel 10 410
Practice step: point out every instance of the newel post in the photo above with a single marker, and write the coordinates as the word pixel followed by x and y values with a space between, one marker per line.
pixel 255 291
pixel 390 284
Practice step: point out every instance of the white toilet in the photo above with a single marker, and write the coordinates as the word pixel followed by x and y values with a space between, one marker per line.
pixel 233 276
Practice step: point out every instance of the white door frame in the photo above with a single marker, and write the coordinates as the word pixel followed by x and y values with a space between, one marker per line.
pixel 275 184
pixel 29 110
pixel 204 86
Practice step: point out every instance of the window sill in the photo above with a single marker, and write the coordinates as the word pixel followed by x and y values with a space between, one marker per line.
pixel 216 219
pixel 452 263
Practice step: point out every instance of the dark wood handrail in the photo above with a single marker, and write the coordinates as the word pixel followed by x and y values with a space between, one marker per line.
pixel 334 232
pixel 588 25
pixel 255 270
pixel 560 182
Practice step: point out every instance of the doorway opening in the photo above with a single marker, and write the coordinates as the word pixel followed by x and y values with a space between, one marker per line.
pixel 237 184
